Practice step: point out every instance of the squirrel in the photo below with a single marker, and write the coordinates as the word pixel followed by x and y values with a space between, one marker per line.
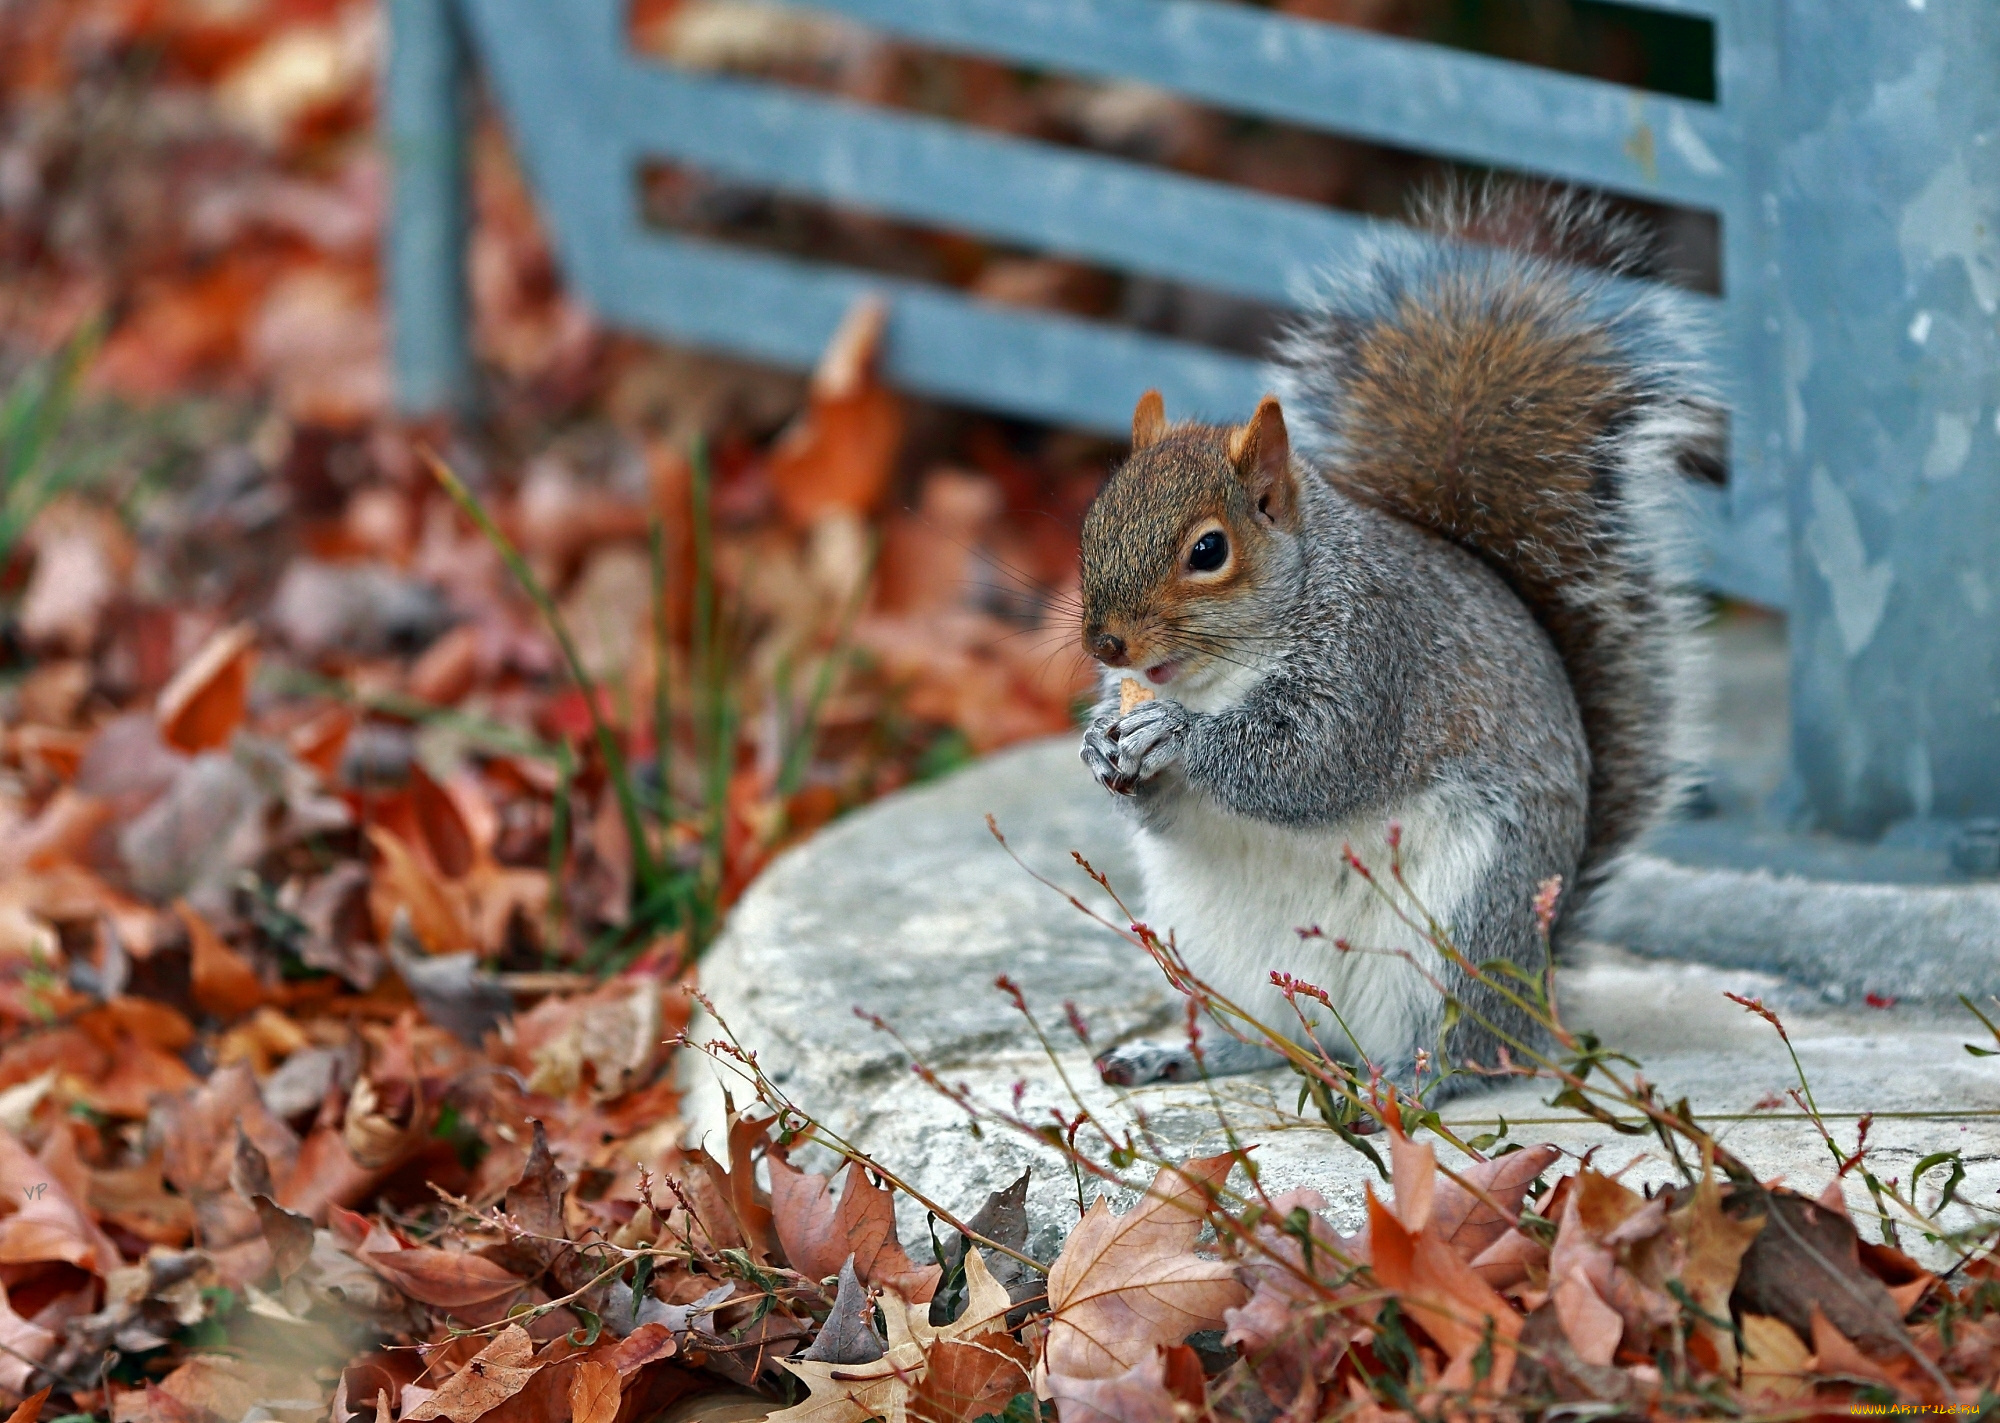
pixel 1454 606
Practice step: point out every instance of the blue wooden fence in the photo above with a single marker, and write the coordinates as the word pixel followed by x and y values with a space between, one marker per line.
pixel 1815 277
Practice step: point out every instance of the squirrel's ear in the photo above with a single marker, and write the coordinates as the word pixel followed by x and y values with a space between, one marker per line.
pixel 1149 420
pixel 1261 451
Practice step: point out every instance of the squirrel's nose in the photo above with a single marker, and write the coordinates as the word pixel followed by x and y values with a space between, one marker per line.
pixel 1108 648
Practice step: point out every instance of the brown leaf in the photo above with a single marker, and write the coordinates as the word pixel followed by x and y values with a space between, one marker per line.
pixel 1467 1223
pixel 1125 1283
pixel 1834 1353
pixel 647 1344
pixel 1413 1171
pixel 1807 1257
pixel 289 1234
pixel 443 825
pixel 1443 1294
pixel 449 1279
pixel 818 1235
pixel 1713 1242
pixel 492 1376
pixel 594 1392
pixel 52 1223
pixel 1775 1360
pixel 203 705
pixel 839 455
pixel 404 882
pixel 853 1393
pixel 30 1408
pixel 26 1343
pixel 1139 1395
pixel 224 982
pixel 967 1378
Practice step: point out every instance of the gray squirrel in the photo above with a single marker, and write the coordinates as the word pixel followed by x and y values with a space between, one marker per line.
pixel 1454 606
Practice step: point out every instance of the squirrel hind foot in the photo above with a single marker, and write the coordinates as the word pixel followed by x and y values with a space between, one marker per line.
pixel 1136 1064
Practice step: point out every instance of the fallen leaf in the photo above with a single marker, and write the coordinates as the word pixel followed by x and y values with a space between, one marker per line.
pixel 1139 1395
pixel 818 1235
pixel 1470 1224
pixel 30 1408
pixel 839 455
pixel 854 1393
pixel 1713 1242
pixel 1835 1354
pixel 224 983
pixel 1807 1258
pixel 968 1378
pixel 1445 1295
pixel 203 705
pixel 52 1223
pixel 404 883
pixel 1775 1360
pixel 848 1336
pixel 594 1393
pixel 448 1279
pixel 492 1376
pixel 1125 1283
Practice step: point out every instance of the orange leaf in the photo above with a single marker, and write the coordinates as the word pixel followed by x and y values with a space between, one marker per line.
pixel 224 982
pixel 594 1391
pixel 1441 1292
pixel 839 455
pixel 446 1278
pixel 403 882
pixel 647 1344
pixel 1833 1353
pixel 204 703
pixel 320 741
pixel 31 1407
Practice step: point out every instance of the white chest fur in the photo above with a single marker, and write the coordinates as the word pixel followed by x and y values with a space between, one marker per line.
pixel 1234 893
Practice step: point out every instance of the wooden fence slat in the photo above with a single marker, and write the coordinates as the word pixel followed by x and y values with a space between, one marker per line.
pixel 1394 91
pixel 1077 204
pixel 1039 365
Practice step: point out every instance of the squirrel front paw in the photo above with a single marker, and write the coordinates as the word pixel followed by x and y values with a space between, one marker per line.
pixel 1122 751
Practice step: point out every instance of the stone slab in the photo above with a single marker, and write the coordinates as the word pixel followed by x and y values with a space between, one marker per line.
pixel 909 909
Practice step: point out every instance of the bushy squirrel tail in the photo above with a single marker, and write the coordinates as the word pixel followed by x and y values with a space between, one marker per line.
pixel 1510 392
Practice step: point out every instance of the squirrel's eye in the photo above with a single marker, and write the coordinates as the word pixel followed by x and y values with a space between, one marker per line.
pixel 1209 553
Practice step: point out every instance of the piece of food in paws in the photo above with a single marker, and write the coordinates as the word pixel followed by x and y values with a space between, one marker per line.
pixel 1131 692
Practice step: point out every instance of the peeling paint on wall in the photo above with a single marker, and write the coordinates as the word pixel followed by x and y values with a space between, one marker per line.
pixel 1951 218
pixel 1859 589
pixel 1951 442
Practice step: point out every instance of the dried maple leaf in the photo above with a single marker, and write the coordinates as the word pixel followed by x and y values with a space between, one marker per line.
pixel 1126 1283
pixel 224 982
pixel 1139 1395
pixel 818 1235
pixel 52 1222
pixel 491 1377
pixel 1473 1223
pixel 854 1393
pixel 1446 1296
pixel 449 1279
pixel 1713 1243
pixel 839 455
pixel 203 705
pixel 403 882
pixel 1289 1342
pixel 594 1392
pixel 1775 1360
